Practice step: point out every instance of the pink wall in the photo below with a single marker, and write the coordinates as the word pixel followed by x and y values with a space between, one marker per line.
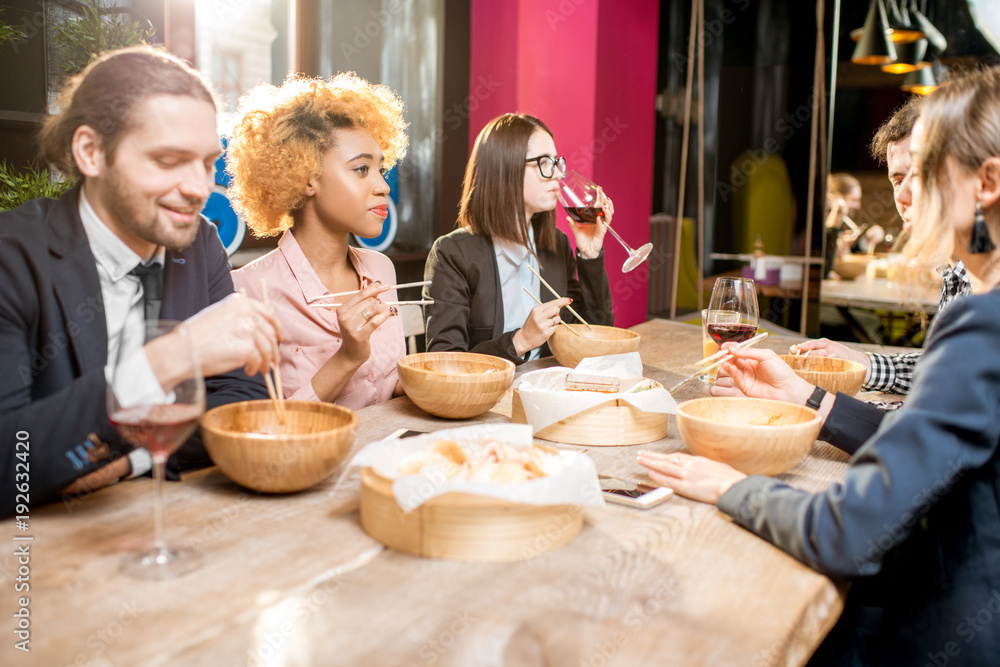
pixel 588 69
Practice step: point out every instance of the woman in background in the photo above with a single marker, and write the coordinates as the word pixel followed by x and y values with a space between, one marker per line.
pixel 308 161
pixel 916 521
pixel 506 227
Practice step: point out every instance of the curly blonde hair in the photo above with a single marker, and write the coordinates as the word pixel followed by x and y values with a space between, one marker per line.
pixel 281 134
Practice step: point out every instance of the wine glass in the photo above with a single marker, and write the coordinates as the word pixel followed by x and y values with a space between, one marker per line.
pixel 160 419
pixel 580 198
pixel 732 310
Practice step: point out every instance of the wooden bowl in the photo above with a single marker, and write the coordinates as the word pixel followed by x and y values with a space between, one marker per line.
pixel 569 350
pixel 465 527
pixel 831 373
pixel 850 267
pixel 252 449
pixel 455 385
pixel 753 435
pixel 610 424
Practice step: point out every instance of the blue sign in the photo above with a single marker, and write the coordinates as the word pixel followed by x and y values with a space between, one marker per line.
pixel 232 227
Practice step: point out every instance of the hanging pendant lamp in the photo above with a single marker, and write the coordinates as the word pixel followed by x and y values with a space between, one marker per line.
pixel 874 46
pixel 936 41
pixel 909 57
pixel 901 29
pixel 920 82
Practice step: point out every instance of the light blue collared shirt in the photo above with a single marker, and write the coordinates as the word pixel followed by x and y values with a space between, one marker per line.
pixel 513 261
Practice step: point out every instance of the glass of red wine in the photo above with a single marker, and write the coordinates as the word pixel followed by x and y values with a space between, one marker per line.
pixel 732 311
pixel 583 200
pixel 159 419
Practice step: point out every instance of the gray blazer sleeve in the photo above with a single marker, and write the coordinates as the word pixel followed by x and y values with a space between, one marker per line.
pixel 940 444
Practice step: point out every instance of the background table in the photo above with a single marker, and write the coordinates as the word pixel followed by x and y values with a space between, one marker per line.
pixel 911 304
pixel 293 580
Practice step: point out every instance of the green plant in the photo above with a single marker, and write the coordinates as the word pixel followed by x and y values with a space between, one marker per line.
pixel 19 185
pixel 9 33
pixel 100 28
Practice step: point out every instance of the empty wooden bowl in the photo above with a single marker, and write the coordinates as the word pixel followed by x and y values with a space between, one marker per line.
pixel 249 445
pixel 455 385
pixel 599 341
pixel 753 435
pixel 831 373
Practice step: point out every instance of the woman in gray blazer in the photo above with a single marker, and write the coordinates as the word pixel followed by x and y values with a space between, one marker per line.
pixel 506 227
pixel 915 523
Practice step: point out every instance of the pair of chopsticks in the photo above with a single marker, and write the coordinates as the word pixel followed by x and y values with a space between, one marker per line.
pixel 274 388
pixel 569 308
pixel 574 331
pixel 720 357
pixel 423 302
pixel 420 283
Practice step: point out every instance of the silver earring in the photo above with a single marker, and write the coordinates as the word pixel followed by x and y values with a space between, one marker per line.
pixel 980 242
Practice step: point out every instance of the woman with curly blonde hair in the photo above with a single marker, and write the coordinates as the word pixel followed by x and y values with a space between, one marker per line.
pixel 308 161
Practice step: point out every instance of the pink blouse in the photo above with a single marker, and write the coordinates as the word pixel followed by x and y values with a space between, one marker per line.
pixel 312 335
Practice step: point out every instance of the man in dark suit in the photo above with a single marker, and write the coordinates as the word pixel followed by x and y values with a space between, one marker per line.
pixel 138 129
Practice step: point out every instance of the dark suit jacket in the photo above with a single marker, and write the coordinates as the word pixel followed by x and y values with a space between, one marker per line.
pixel 916 519
pixel 467 313
pixel 53 344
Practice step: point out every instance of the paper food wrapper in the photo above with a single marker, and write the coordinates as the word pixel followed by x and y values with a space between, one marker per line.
pixel 546 402
pixel 577 484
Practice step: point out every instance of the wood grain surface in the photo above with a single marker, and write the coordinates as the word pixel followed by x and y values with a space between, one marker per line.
pixel 294 580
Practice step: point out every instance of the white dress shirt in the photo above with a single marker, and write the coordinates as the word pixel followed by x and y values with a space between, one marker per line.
pixel 124 313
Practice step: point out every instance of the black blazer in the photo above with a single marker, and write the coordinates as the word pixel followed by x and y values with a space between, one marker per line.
pixel 467 314
pixel 53 344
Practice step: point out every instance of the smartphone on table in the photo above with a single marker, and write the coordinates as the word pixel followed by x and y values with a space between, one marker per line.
pixel 638 495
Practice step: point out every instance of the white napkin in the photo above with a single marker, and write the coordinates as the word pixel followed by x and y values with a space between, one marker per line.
pixel 545 401
pixel 576 485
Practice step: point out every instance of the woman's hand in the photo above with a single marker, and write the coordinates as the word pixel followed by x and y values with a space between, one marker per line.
pixel 760 374
pixel 693 477
pixel 823 347
pixel 540 325
pixel 359 315
pixel 590 238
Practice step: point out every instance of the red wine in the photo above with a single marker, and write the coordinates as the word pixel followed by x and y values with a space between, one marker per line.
pixel 586 215
pixel 737 333
pixel 160 428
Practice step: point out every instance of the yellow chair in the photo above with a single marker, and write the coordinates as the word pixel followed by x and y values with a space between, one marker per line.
pixel 762 202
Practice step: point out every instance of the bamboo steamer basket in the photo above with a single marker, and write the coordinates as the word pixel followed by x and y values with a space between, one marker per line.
pixel 610 424
pixel 304 451
pixel 756 436
pixel 465 527
pixel 569 350
pixel 831 373
pixel 455 385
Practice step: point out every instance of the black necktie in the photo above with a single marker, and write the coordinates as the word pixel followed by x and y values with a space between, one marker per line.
pixel 151 278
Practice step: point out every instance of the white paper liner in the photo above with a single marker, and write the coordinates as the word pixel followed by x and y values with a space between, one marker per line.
pixel 546 402
pixel 576 485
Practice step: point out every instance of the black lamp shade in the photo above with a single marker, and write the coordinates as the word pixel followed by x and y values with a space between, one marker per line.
pixel 920 81
pixel 909 57
pixel 935 39
pixel 874 47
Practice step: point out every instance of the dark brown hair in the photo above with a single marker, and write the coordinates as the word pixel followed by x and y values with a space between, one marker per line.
pixel 493 190
pixel 898 127
pixel 104 94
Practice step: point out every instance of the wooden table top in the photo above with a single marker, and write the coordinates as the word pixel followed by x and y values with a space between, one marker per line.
pixel 293 579
pixel 879 294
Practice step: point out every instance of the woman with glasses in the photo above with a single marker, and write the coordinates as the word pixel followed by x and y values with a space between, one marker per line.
pixel 506 228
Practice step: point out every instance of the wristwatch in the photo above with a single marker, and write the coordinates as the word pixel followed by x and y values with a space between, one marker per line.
pixel 816 398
